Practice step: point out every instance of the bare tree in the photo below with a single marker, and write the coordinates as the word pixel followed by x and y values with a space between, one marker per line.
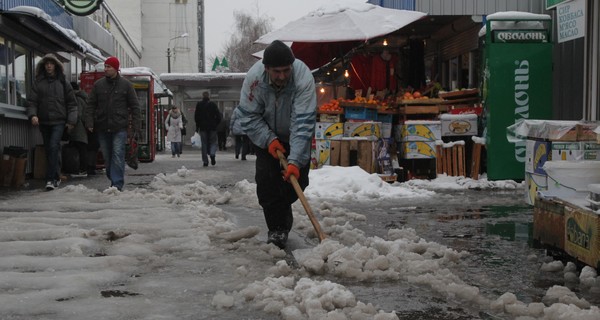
pixel 241 46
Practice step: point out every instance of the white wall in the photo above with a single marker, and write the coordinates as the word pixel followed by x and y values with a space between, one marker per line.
pixel 163 20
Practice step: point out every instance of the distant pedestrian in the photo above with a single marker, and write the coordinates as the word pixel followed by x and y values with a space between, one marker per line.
pixel 52 106
pixel 111 103
pixel 79 135
pixel 242 143
pixel 222 133
pixel 174 125
pixel 207 117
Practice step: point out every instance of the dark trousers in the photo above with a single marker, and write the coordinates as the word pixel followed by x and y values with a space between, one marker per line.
pixel 242 144
pixel 82 150
pixel 222 137
pixel 51 134
pixel 275 195
pixel 92 151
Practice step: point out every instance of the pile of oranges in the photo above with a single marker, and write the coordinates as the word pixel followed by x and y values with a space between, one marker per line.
pixel 332 105
pixel 413 96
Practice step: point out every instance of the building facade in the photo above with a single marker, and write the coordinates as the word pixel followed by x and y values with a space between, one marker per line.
pixel 29 29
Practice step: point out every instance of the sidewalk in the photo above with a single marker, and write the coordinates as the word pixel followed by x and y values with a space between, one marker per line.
pixel 227 171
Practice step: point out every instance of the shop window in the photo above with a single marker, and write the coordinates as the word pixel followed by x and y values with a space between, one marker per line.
pixel 3 72
pixel 22 75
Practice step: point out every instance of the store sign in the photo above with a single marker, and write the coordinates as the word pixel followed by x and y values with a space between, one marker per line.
pixel 520 36
pixel 553 3
pixel 570 22
pixel 81 7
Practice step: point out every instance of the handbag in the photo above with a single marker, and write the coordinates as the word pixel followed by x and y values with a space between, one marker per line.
pixel 183 131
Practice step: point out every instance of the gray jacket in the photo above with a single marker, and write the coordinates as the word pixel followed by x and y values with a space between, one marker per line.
pixel 288 115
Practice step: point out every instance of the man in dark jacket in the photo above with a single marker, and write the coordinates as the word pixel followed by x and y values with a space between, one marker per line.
pixel 110 104
pixel 51 105
pixel 207 117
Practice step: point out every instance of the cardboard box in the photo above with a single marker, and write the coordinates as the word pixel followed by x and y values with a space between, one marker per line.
pixel 458 124
pixel 536 154
pixel 575 151
pixel 534 183
pixel 363 129
pixel 566 151
pixel 331 131
pixel 323 117
pixel 415 130
pixel 417 149
pixel 323 152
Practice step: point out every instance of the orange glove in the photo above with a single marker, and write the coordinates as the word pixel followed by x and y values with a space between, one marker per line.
pixel 274 146
pixel 292 170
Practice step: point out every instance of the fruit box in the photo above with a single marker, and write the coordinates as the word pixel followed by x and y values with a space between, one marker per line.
pixel 420 130
pixel 331 118
pixel 536 154
pixel 364 129
pixel 417 149
pixel 331 131
pixel 459 124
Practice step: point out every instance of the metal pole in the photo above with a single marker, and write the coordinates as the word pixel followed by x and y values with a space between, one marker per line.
pixel 168 59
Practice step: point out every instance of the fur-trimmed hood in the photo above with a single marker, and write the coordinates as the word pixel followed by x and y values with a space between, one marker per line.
pixel 40 69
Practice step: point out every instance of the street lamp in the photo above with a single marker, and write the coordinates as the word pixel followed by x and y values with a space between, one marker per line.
pixel 183 35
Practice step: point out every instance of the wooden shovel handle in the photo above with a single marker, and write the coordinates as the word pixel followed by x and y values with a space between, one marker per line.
pixel 302 198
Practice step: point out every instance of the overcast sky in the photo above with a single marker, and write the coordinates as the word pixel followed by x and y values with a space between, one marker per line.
pixel 219 22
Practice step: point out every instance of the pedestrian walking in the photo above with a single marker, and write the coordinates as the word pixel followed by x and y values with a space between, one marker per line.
pixel 174 125
pixel 207 117
pixel 111 103
pixel 277 108
pixel 222 134
pixel 242 143
pixel 78 137
pixel 52 106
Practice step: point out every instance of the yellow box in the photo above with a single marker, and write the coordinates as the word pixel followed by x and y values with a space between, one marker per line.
pixel 326 130
pixel 582 237
pixel 421 131
pixel 363 129
pixel 418 149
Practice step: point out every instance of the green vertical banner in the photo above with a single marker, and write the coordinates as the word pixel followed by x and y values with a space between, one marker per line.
pixel 517 85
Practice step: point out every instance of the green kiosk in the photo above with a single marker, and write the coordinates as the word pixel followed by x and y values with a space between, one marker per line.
pixel 517 84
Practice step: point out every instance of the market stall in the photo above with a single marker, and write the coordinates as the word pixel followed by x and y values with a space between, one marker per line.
pixel 373 90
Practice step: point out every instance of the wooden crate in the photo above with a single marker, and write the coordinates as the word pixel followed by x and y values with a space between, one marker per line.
pixel 451 160
pixel 549 223
pixel 354 152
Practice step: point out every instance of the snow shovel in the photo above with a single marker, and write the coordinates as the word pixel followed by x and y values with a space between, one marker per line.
pixel 302 198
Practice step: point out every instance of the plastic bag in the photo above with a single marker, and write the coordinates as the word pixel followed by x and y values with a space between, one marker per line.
pixel 196 141
pixel 131 157
pixel 229 142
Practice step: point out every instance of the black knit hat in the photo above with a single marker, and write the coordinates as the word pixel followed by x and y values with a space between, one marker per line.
pixel 278 54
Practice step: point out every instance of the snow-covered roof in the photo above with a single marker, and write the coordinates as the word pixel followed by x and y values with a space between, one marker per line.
pixel 70 34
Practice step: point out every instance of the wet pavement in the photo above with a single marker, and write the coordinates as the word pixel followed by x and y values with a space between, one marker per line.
pixel 494 226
